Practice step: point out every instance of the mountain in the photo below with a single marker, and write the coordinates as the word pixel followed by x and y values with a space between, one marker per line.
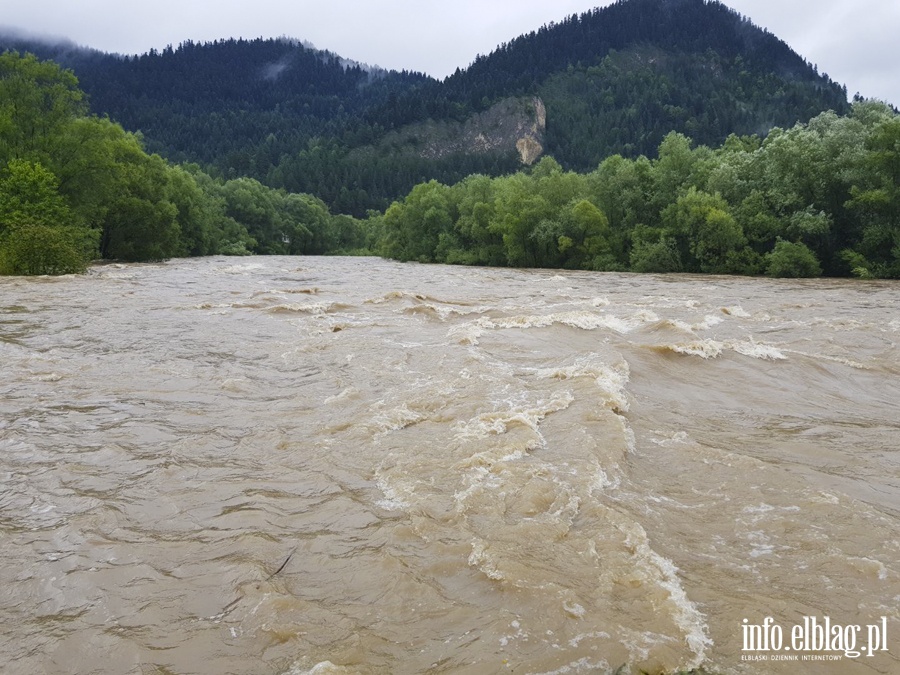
pixel 611 80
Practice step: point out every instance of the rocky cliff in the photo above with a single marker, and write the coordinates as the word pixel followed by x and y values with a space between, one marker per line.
pixel 511 125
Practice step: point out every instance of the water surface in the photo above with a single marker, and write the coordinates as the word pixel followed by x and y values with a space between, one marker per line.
pixel 465 470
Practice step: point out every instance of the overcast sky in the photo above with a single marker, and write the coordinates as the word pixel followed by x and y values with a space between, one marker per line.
pixel 853 41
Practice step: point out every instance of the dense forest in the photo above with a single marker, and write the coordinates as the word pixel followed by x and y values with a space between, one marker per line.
pixel 678 138
pixel 613 80
pixel 76 187
pixel 817 198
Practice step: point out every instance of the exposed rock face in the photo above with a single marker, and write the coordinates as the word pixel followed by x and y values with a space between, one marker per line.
pixel 529 144
pixel 511 125
pixel 529 150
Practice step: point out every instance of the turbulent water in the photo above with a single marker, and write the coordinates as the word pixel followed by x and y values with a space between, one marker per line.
pixel 347 465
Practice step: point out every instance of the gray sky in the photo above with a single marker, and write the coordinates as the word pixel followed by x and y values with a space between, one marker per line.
pixel 853 41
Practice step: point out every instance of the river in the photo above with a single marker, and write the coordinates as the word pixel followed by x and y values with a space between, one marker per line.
pixel 349 465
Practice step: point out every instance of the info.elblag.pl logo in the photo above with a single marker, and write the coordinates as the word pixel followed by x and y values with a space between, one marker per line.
pixel 814 639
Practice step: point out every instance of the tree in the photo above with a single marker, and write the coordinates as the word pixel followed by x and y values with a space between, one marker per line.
pixel 413 228
pixel 705 231
pixel 790 259
pixel 37 100
pixel 876 201
pixel 29 194
pixel 653 251
pixel 584 241
pixel 38 233
pixel 142 224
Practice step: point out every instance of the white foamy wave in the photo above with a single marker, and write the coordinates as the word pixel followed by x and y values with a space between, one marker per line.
pixel 870 567
pixel 686 615
pixel 393 500
pixel 470 332
pixel 833 359
pixel 396 479
pixel 240 269
pixel 612 380
pixel 601 482
pixel 705 349
pixel 681 326
pixel 576 319
pixel 482 561
pixel 737 311
pixel 292 291
pixel 497 422
pixel 574 642
pixel 756 350
pixel 574 609
pixel 312 308
pixel 708 322
pixel 677 438
pixel 712 349
pixel 323 668
pixel 442 312
pixel 398 418
pixel 584 665
pixel 346 394
pixel 209 305
pixel 628 434
pixel 394 295
pixel 235 385
pixel 47 377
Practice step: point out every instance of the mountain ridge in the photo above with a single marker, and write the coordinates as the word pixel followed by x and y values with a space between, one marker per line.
pixel 614 80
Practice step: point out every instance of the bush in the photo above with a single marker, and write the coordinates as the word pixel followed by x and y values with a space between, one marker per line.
pixel 794 260
pixel 40 249
pixel 658 256
pixel 234 248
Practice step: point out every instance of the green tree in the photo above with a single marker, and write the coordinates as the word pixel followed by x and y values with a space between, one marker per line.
pixel 142 224
pixel 792 259
pixel 413 229
pixel 707 234
pixel 37 100
pixel 584 242
pixel 653 250
pixel 475 243
pixel 38 233
pixel 876 201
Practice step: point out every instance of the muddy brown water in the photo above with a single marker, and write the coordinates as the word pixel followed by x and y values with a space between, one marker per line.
pixel 460 470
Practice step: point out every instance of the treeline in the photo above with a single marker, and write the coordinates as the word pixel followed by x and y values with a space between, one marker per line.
pixel 815 198
pixel 614 80
pixel 818 198
pixel 76 187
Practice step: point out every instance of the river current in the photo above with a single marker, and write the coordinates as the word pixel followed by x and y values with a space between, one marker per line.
pixel 348 465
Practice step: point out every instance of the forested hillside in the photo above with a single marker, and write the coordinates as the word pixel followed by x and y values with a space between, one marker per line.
pixel 75 187
pixel 612 80
pixel 815 198
pixel 677 137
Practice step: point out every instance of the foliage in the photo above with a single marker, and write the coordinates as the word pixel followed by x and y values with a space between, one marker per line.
pixel 614 80
pixel 815 198
pixel 789 259
pixel 38 232
pixel 74 187
pixel 40 249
